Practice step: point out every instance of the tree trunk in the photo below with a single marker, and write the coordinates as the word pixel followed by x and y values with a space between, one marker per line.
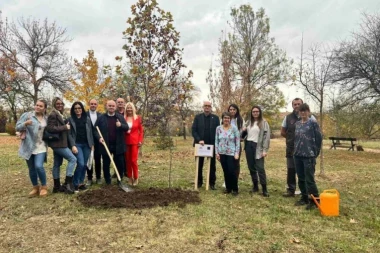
pixel 321 167
pixel 184 129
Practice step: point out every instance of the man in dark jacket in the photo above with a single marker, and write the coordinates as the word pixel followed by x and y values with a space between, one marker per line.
pixel 203 130
pixel 112 126
pixel 94 115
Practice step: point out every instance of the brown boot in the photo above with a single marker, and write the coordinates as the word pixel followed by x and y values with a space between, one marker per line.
pixel 35 192
pixel 43 191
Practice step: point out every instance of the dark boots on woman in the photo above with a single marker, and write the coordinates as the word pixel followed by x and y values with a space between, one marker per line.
pixel 69 185
pixel 265 191
pixel 58 187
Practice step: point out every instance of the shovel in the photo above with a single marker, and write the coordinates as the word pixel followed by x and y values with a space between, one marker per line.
pixel 123 187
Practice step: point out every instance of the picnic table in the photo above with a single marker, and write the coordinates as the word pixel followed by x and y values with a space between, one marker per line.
pixel 348 142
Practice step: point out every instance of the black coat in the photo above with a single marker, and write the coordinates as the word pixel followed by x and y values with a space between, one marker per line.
pixel 198 128
pixel 73 132
pixel 102 123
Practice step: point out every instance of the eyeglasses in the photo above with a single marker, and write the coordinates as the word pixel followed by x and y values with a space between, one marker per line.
pixel 58 103
pixel 93 104
pixel 77 108
pixel 207 106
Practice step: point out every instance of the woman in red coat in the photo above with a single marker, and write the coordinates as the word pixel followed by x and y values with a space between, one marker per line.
pixel 134 140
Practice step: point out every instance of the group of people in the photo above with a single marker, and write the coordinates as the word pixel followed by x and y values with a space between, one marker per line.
pixel 303 145
pixel 74 137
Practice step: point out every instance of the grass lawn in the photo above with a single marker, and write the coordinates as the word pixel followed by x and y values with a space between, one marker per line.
pixel 221 223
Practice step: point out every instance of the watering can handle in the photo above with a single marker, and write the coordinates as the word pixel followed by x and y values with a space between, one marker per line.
pixel 315 201
pixel 333 191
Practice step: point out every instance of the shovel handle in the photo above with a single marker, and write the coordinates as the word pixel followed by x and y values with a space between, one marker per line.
pixel 109 154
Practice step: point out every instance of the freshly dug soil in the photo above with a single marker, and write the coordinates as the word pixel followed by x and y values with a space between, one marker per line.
pixel 114 197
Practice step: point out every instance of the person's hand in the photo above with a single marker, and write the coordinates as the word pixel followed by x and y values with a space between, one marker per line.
pixel 92 148
pixel 101 140
pixel 139 144
pixel 29 122
pixel 244 129
pixel 202 142
pixel 264 154
pixel 218 157
pixel 74 150
pixel 118 124
pixel 236 157
pixel 68 125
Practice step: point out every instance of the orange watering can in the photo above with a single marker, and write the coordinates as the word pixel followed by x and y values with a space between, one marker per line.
pixel 329 202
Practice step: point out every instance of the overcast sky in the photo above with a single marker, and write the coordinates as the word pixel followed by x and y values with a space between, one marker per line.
pixel 98 25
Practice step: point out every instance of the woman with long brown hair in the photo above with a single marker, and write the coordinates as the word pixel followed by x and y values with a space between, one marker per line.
pixel 256 146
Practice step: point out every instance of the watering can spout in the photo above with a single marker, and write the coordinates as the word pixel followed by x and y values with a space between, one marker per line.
pixel 316 201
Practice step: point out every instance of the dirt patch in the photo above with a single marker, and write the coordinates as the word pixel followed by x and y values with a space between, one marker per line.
pixel 114 197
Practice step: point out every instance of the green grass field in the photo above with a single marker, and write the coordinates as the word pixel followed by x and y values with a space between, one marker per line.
pixel 221 223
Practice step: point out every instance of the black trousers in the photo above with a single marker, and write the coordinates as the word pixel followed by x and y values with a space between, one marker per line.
pixel 119 160
pixel 212 171
pixel 229 170
pixel 256 166
pixel 306 176
pixel 291 180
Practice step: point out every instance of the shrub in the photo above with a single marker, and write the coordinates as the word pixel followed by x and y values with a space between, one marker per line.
pixel 10 128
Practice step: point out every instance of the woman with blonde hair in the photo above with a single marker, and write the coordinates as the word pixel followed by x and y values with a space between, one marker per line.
pixel 133 139
pixel 33 149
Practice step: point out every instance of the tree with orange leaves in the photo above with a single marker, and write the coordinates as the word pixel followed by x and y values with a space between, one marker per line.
pixel 92 83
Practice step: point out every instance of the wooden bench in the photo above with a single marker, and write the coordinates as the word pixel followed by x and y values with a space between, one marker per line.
pixel 348 143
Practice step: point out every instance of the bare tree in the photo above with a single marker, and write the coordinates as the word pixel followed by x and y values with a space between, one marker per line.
pixel 316 76
pixel 36 48
pixel 357 62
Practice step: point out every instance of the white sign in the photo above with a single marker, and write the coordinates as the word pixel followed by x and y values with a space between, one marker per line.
pixel 204 151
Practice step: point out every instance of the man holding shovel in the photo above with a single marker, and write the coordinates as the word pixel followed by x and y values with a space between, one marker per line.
pixel 112 127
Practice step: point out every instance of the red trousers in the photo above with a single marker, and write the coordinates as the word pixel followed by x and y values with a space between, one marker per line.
pixel 131 161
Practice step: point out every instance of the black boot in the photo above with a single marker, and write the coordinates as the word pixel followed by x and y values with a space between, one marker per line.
pixel 255 187
pixel 57 185
pixel 69 185
pixel 265 191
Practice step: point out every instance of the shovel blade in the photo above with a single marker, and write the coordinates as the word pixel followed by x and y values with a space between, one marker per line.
pixel 125 187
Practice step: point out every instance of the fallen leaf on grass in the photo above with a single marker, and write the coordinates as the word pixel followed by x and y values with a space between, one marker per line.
pixel 296 240
pixel 353 221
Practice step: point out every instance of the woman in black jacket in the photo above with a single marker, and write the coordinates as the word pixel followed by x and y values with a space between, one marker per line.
pixel 58 124
pixel 81 142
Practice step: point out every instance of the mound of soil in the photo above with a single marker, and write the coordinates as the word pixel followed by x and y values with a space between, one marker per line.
pixel 114 197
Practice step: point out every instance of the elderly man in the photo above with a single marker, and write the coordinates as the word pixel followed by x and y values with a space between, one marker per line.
pixel 120 103
pixel 112 126
pixel 93 114
pixel 203 130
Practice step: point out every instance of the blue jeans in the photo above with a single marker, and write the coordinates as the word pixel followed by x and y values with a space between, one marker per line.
pixel 82 157
pixel 59 154
pixel 36 168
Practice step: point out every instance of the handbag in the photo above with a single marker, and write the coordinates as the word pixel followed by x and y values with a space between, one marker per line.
pixel 47 136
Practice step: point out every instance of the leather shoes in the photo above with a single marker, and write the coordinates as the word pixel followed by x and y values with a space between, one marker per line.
pixel 212 187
